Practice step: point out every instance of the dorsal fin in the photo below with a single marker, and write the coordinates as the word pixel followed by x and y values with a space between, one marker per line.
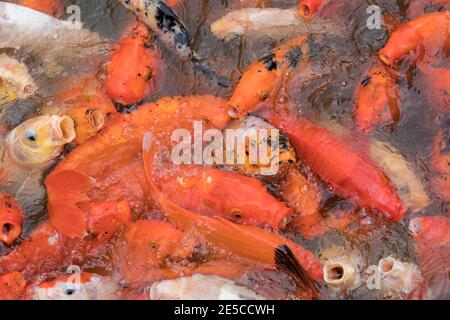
pixel 286 261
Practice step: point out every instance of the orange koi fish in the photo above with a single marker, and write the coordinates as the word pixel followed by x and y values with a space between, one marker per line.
pixel 440 158
pixel 85 102
pixel 11 219
pixel 260 78
pixel 131 67
pixel 334 161
pixel 12 286
pixel 247 242
pixel 436 85
pixel 53 8
pixel 377 99
pixel 238 198
pixel 425 36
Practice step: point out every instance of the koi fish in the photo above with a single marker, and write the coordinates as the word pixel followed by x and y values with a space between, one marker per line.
pixel 201 287
pixel 262 247
pixel 440 157
pixel 109 163
pixel 83 286
pixel 29 150
pixel 131 67
pixel 424 36
pixel 272 22
pixel 351 175
pixel 56 42
pixel 164 22
pixel 238 198
pixel 342 269
pixel 247 131
pixel 432 244
pixel 12 286
pixel 53 8
pixel 377 99
pixel 259 79
pixel 11 218
pixel 400 280
pixel 84 101
pixel 15 81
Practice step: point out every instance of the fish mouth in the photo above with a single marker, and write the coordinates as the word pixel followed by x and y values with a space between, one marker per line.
pixel 96 118
pixel 387 266
pixel 65 129
pixel 336 273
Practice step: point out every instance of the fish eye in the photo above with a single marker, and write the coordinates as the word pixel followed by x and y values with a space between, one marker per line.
pixel 237 213
pixel 69 289
pixel 31 135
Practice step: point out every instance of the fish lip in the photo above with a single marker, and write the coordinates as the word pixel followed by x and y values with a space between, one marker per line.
pixel 64 127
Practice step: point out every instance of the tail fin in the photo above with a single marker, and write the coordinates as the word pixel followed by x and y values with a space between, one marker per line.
pixel 286 261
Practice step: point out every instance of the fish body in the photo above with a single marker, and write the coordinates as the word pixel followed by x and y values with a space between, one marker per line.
pixel 334 161
pixel 435 82
pixel 53 8
pixel 377 99
pixel 15 81
pixel 131 67
pixel 28 150
pixel 163 21
pixel 271 22
pixel 201 287
pixel 53 40
pixel 262 247
pixel 12 286
pixel 84 101
pixel 427 33
pixel 77 286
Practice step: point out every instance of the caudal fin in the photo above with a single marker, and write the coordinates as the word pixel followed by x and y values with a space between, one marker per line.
pixel 286 261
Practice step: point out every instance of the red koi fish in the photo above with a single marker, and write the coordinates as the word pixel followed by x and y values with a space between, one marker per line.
pixel 440 158
pixel 238 198
pixel 335 162
pixel 424 36
pixel 377 99
pixel 131 67
pixel 432 241
pixel 12 286
pixel 53 8
pixel 248 242
pixel 435 82
pixel 259 79
pixel 11 219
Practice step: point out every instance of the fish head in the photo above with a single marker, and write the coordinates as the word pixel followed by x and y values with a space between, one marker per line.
pixel 87 122
pixel 39 140
pixel 77 286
